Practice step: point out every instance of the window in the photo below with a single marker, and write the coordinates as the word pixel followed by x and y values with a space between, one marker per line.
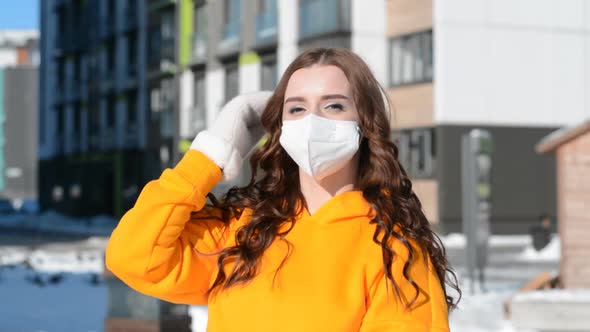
pixel 411 58
pixel 201 18
pixel 232 81
pixel 167 30
pixel 231 19
pixel 199 40
pixel 131 108
pixel 111 111
pixel 60 120
pixel 110 63
pixel 268 72
pixel 198 115
pixel 132 53
pixel 77 118
pixel 61 74
pixel 77 69
pixel 417 151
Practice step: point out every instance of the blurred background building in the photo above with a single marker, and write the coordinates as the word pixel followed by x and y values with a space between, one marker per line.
pixel 507 67
pixel 19 58
pixel 126 85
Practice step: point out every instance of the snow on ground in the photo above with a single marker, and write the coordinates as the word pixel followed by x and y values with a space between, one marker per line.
pixel 52 221
pixel 71 302
pixel 482 312
pixel 555 295
pixel 61 290
pixel 458 241
pixel 551 253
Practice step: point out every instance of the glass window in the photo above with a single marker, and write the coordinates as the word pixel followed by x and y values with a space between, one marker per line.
pixel 269 74
pixel 416 151
pixel 132 51
pixel 201 19
pixel 131 108
pixel 60 120
pixel 232 81
pixel 411 59
pixel 111 111
pixel 198 114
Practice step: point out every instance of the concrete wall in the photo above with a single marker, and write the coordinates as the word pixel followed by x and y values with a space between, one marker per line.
pixel 523 182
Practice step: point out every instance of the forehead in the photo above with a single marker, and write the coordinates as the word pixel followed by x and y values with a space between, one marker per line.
pixel 317 80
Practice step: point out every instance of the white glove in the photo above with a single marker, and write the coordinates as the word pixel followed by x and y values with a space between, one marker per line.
pixel 234 133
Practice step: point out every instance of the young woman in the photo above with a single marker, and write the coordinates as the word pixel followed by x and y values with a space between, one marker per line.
pixel 327 236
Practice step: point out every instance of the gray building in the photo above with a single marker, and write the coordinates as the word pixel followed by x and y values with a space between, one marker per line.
pixel 18 139
pixel 19 57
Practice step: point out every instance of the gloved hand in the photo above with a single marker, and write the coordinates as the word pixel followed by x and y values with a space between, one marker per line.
pixel 234 133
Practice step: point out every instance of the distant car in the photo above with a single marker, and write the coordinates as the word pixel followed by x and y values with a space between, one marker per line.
pixel 6 206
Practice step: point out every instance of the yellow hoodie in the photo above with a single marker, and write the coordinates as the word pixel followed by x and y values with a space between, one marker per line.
pixel 332 281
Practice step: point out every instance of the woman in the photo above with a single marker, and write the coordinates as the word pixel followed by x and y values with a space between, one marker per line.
pixel 327 236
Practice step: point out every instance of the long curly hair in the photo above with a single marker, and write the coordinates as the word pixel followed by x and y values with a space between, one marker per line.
pixel 274 196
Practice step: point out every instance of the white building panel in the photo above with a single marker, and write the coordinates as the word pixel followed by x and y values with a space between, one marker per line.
pixel 288 22
pixel 369 35
pixel 215 93
pixel 249 77
pixel 512 65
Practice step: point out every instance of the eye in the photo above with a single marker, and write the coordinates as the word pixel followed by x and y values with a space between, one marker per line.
pixel 296 110
pixel 337 107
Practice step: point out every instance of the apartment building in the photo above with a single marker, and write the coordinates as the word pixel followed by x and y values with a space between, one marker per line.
pixel 518 69
pixel 243 46
pixel 92 137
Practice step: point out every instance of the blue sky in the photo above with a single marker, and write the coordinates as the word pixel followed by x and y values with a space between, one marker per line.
pixel 19 14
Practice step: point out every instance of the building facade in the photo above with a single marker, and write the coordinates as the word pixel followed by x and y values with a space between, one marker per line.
pixel 92 138
pixel 126 85
pixel 517 72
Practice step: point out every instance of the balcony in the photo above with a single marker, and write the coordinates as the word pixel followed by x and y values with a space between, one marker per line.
pixel 199 48
pixel 75 143
pixel 162 60
pixel 131 18
pixel 59 45
pixel 109 139
pixel 131 136
pixel 94 140
pixel 266 27
pixel 75 90
pixel 107 27
pixel 154 5
pixel 322 17
pixel 108 80
pixel 59 95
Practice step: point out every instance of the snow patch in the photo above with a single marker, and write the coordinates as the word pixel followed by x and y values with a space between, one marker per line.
pixel 555 295
pixel 551 253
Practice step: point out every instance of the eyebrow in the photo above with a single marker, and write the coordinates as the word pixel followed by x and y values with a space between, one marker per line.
pixel 324 97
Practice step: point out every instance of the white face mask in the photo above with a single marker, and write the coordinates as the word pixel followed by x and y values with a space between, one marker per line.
pixel 320 146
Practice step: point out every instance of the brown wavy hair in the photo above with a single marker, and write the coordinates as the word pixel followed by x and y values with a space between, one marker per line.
pixel 274 196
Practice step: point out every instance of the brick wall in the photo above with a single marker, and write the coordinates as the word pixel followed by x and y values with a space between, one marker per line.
pixel 573 160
